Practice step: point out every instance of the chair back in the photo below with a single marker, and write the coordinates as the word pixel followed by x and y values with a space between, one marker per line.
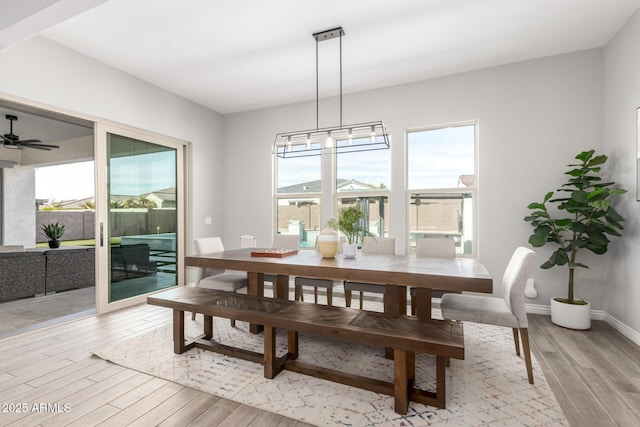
pixel 515 280
pixel 247 241
pixel 286 241
pixel 207 245
pixel 436 247
pixel 379 245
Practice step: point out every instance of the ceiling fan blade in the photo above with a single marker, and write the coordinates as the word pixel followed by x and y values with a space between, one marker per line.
pixel 40 146
pixel 27 141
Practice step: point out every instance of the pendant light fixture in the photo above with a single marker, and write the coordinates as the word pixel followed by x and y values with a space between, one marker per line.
pixel 342 138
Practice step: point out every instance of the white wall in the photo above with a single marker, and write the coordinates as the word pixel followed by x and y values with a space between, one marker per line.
pixel 19 204
pixel 534 117
pixel 622 98
pixel 42 71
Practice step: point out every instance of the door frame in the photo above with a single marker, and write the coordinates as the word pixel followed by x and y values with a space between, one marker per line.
pixel 102 210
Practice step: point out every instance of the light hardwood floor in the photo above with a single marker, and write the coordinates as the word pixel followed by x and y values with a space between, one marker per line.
pixel 54 366
pixel 594 374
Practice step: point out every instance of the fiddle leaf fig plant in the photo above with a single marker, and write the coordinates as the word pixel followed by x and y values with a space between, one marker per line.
pixel 583 217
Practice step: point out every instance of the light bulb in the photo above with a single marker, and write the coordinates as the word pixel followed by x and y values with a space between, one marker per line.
pixel 329 142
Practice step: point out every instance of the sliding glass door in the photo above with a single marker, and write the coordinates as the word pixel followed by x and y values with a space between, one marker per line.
pixel 140 225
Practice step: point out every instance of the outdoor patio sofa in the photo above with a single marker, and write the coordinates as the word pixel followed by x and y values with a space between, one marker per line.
pixel 29 272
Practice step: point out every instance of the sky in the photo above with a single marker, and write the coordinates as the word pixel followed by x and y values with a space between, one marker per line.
pixel 130 176
pixel 65 182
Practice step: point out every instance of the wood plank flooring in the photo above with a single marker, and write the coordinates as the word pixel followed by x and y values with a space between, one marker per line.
pixel 54 366
pixel 594 374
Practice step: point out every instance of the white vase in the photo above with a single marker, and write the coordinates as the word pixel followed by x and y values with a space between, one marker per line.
pixel 328 243
pixel 572 316
pixel 349 250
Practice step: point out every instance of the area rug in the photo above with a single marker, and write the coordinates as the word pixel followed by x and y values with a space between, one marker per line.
pixel 489 387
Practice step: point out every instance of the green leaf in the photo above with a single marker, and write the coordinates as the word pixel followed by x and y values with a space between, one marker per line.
pixel 601 204
pixel 598 191
pixel 585 155
pixel 536 205
pixel 597 249
pixel 597 160
pixel 577 264
pixel 559 257
pixel 597 238
pixel 613 215
pixel 547 196
pixel 579 197
pixel 563 222
pixel 537 240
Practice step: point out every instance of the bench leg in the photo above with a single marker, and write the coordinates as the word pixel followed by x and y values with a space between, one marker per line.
pixel 441 379
pixel 270 370
pixel 178 332
pixel 292 350
pixel 400 381
pixel 208 327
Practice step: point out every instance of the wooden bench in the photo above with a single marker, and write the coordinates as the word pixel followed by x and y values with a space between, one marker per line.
pixel 406 335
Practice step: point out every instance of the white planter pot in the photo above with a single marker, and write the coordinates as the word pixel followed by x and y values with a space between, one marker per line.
pixel 571 316
pixel 349 250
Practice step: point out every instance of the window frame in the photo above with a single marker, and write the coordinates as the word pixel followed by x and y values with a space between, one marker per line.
pixel 444 190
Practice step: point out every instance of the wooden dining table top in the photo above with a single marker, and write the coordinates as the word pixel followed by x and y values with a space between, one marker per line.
pixel 459 274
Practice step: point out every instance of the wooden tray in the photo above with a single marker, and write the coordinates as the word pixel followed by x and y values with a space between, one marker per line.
pixel 274 253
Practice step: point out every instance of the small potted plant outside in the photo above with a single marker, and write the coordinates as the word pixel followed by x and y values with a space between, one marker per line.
pixel 583 218
pixel 349 223
pixel 54 232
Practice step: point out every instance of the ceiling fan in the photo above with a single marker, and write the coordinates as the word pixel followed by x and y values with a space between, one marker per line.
pixel 14 141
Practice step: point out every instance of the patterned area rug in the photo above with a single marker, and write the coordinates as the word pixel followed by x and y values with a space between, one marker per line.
pixel 489 387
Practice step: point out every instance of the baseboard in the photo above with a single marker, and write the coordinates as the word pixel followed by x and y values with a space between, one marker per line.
pixel 616 324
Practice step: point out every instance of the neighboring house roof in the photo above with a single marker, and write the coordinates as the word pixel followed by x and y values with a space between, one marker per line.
pixel 314 186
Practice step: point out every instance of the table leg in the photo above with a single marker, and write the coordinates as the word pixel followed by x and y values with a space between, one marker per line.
pixel 423 303
pixel 400 381
pixel 208 327
pixel 395 300
pixel 270 370
pixel 255 288
pixel 282 287
pixel 178 332
pixel 395 303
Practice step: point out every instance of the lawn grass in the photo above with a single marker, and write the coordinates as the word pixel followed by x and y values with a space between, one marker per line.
pixel 84 242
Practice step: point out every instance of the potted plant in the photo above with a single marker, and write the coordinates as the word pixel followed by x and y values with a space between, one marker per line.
pixel 582 219
pixel 54 232
pixel 349 223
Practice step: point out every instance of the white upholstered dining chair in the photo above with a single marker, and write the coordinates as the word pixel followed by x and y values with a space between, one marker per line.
pixel 376 246
pixel 282 241
pixel 316 283
pixel 433 247
pixel 221 280
pixel 508 311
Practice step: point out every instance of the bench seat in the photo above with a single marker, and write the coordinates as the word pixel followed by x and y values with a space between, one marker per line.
pixel 404 334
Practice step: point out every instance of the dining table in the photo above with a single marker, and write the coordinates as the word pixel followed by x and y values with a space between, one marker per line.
pixel 396 272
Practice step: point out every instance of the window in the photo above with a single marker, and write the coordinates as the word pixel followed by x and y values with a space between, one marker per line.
pixel 303 186
pixel 363 179
pixel 441 177
pixel 298 198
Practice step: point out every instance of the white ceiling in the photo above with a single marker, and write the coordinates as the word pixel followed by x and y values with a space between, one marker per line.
pixel 238 55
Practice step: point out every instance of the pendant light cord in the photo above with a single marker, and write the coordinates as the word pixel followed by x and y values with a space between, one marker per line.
pixel 340 79
pixel 317 92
